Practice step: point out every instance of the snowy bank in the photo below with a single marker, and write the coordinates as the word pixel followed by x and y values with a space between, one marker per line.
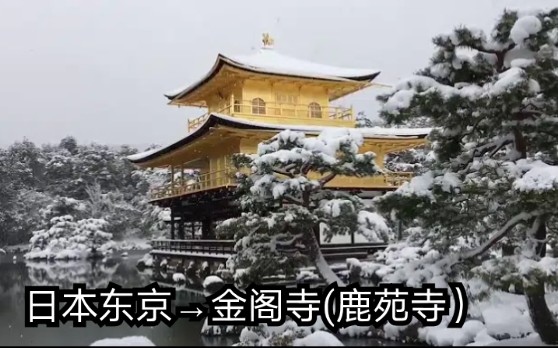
pixel 124 341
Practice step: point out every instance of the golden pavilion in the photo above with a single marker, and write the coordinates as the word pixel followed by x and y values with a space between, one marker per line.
pixel 250 98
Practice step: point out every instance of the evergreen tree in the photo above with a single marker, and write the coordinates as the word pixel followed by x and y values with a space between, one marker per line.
pixel 493 102
pixel 363 121
pixel 287 206
pixel 95 176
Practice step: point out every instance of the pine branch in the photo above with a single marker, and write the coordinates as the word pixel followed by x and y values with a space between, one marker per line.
pixel 493 147
pixel 323 181
pixel 305 168
pixel 521 217
pixel 283 172
pixel 290 241
pixel 292 200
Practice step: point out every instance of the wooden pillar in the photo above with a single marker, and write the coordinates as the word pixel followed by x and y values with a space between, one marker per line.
pixel 193 224
pixel 352 237
pixel 380 156
pixel 181 234
pixel 207 230
pixel 172 179
pixel 172 223
pixel 182 176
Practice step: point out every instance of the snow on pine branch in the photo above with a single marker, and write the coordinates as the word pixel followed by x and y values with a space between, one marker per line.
pixel 292 154
pixel 541 177
pixel 525 27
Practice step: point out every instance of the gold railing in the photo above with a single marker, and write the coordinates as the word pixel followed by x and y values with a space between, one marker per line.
pixel 226 177
pixel 204 181
pixel 280 111
pixel 398 178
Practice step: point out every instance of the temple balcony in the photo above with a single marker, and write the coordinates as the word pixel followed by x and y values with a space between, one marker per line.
pixel 281 113
pixel 225 178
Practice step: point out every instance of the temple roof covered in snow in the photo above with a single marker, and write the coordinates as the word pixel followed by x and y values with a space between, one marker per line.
pixel 272 63
pixel 216 120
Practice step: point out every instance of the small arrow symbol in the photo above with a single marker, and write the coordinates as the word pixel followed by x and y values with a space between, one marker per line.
pixel 195 311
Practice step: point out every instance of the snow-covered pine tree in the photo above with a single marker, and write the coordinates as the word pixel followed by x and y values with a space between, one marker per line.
pixel 286 204
pixel 492 99
pixel 363 121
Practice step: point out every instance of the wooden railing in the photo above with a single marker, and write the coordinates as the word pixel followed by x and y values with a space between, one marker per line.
pixel 279 111
pixel 207 246
pixel 213 247
pixel 226 178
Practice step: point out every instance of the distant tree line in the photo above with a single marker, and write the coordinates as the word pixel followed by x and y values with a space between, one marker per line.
pixel 36 180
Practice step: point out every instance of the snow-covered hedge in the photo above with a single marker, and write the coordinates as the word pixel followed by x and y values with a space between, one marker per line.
pixel 67 239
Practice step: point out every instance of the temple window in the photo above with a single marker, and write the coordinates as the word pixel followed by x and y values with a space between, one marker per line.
pixel 236 106
pixel 315 110
pixel 258 106
pixel 286 99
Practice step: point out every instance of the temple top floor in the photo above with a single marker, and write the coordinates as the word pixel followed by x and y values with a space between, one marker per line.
pixel 268 85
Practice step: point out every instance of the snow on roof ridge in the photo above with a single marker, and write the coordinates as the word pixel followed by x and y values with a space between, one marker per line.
pixel 366 132
pixel 268 59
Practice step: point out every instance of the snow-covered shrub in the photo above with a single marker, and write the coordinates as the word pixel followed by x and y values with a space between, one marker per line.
pixel 68 239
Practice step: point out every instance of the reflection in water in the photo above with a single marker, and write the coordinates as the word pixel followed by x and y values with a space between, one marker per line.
pixel 15 276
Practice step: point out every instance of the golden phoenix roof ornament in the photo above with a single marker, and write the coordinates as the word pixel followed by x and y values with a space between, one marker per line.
pixel 267 40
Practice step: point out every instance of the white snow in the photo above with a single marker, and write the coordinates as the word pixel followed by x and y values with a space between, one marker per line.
pixel 269 60
pixel 140 155
pixel 449 181
pixel 529 341
pixel 369 132
pixel 400 100
pixel 419 186
pixel 508 79
pixel 525 27
pixel 67 239
pixel 443 336
pixel 501 320
pixel 147 260
pixel 522 62
pixel 542 177
pixel 318 339
pixel 211 280
pixel 178 278
pixel 132 244
pixel 373 226
pixel 124 341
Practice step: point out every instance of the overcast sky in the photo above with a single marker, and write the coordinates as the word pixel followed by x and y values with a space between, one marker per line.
pixel 97 70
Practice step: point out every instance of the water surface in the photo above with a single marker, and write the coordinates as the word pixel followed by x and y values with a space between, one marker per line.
pixel 15 275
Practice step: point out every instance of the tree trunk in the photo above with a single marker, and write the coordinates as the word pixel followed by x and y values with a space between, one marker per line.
pixel 321 264
pixel 544 322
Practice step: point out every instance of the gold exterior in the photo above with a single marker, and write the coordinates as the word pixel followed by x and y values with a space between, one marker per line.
pixel 269 99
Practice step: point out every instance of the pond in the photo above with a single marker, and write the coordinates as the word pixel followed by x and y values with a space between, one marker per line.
pixel 15 275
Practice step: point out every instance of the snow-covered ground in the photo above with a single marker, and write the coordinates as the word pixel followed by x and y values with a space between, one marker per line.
pixel 124 341
pixel 494 319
